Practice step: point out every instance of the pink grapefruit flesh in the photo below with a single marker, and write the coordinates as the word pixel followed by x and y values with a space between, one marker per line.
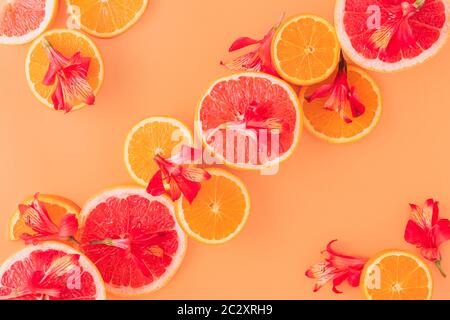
pixel 409 31
pixel 133 239
pixel 259 111
pixel 40 272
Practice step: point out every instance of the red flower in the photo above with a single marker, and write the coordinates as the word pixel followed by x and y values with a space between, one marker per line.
pixel 36 217
pixel 70 75
pixel 336 268
pixel 427 232
pixel 259 59
pixel 177 175
pixel 340 94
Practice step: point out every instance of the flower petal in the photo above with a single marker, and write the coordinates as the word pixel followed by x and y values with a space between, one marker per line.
pixel 188 188
pixel 356 105
pixel 156 185
pixel 242 43
pixel 68 226
pixel 195 174
pixel 441 231
pixel 415 235
pixel 36 217
pixel 321 92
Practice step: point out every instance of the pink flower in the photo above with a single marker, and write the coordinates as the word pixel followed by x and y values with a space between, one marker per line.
pixel 336 268
pixel 37 218
pixel 177 175
pixel 70 76
pixel 427 232
pixel 340 94
pixel 259 59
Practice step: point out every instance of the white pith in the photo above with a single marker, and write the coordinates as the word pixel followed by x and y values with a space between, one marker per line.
pixel 50 6
pixel 122 193
pixel 377 64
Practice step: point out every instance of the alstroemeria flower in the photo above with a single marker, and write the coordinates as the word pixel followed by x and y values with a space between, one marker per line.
pixel 339 94
pixel 37 218
pixel 70 76
pixel 336 268
pixel 178 175
pixel 427 232
pixel 259 59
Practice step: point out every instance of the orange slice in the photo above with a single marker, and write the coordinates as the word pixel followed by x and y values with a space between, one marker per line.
pixel 68 42
pixel 22 21
pixel 56 206
pixel 328 125
pixel 151 136
pixel 396 275
pixel 305 50
pixel 106 18
pixel 220 210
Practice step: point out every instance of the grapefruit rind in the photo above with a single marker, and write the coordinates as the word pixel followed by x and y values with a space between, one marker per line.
pixel 379 65
pixel 185 225
pixel 297 131
pixel 176 123
pixel 52 245
pixel 51 9
pixel 390 252
pixel 276 61
pixel 123 193
pixel 360 135
pixel 98 56
pixel 69 205
pixel 108 35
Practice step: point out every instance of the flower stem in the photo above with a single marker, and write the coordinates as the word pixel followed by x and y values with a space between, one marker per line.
pixel 439 266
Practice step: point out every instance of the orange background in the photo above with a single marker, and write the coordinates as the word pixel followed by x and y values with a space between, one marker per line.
pixel 357 193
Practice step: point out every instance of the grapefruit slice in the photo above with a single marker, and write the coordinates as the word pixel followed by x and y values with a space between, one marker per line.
pixel 22 21
pixel 56 206
pixel 220 210
pixel 396 275
pixel 50 271
pixel 133 239
pixel 250 120
pixel 386 35
pixel 107 18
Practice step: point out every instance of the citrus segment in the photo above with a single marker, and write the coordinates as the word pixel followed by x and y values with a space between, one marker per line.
pixel 396 275
pixel 250 120
pixel 21 21
pixel 328 125
pixel 133 239
pixel 385 35
pixel 305 50
pixel 56 206
pixel 50 271
pixel 150 137
pixel 107 18
pixel 68 42
pixel 220 210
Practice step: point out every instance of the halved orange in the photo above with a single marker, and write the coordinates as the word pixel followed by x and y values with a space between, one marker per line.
pixel 396 275
pixel 305 50
pixel 149 137
pixel 220 210
pixel 106 18
pixel 68 42
pixel 56 206
pixel 328 125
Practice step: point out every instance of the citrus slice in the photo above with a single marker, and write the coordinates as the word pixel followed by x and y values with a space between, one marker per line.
pixel 220 210
pixel 328 125
pixel 133 238
pixel 150 137
pixel 56 206
pixel 396 275
pixel 106 18
pixel 387 35
pixel 305 50
pixel 68 42
pixel 250 120
pixel 52 271
pixel 21 21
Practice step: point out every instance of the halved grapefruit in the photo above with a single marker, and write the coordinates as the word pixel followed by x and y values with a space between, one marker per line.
pixel 250 120
pixel 50 271
pixel 133 238
pixel 22 21
pixel 388 35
